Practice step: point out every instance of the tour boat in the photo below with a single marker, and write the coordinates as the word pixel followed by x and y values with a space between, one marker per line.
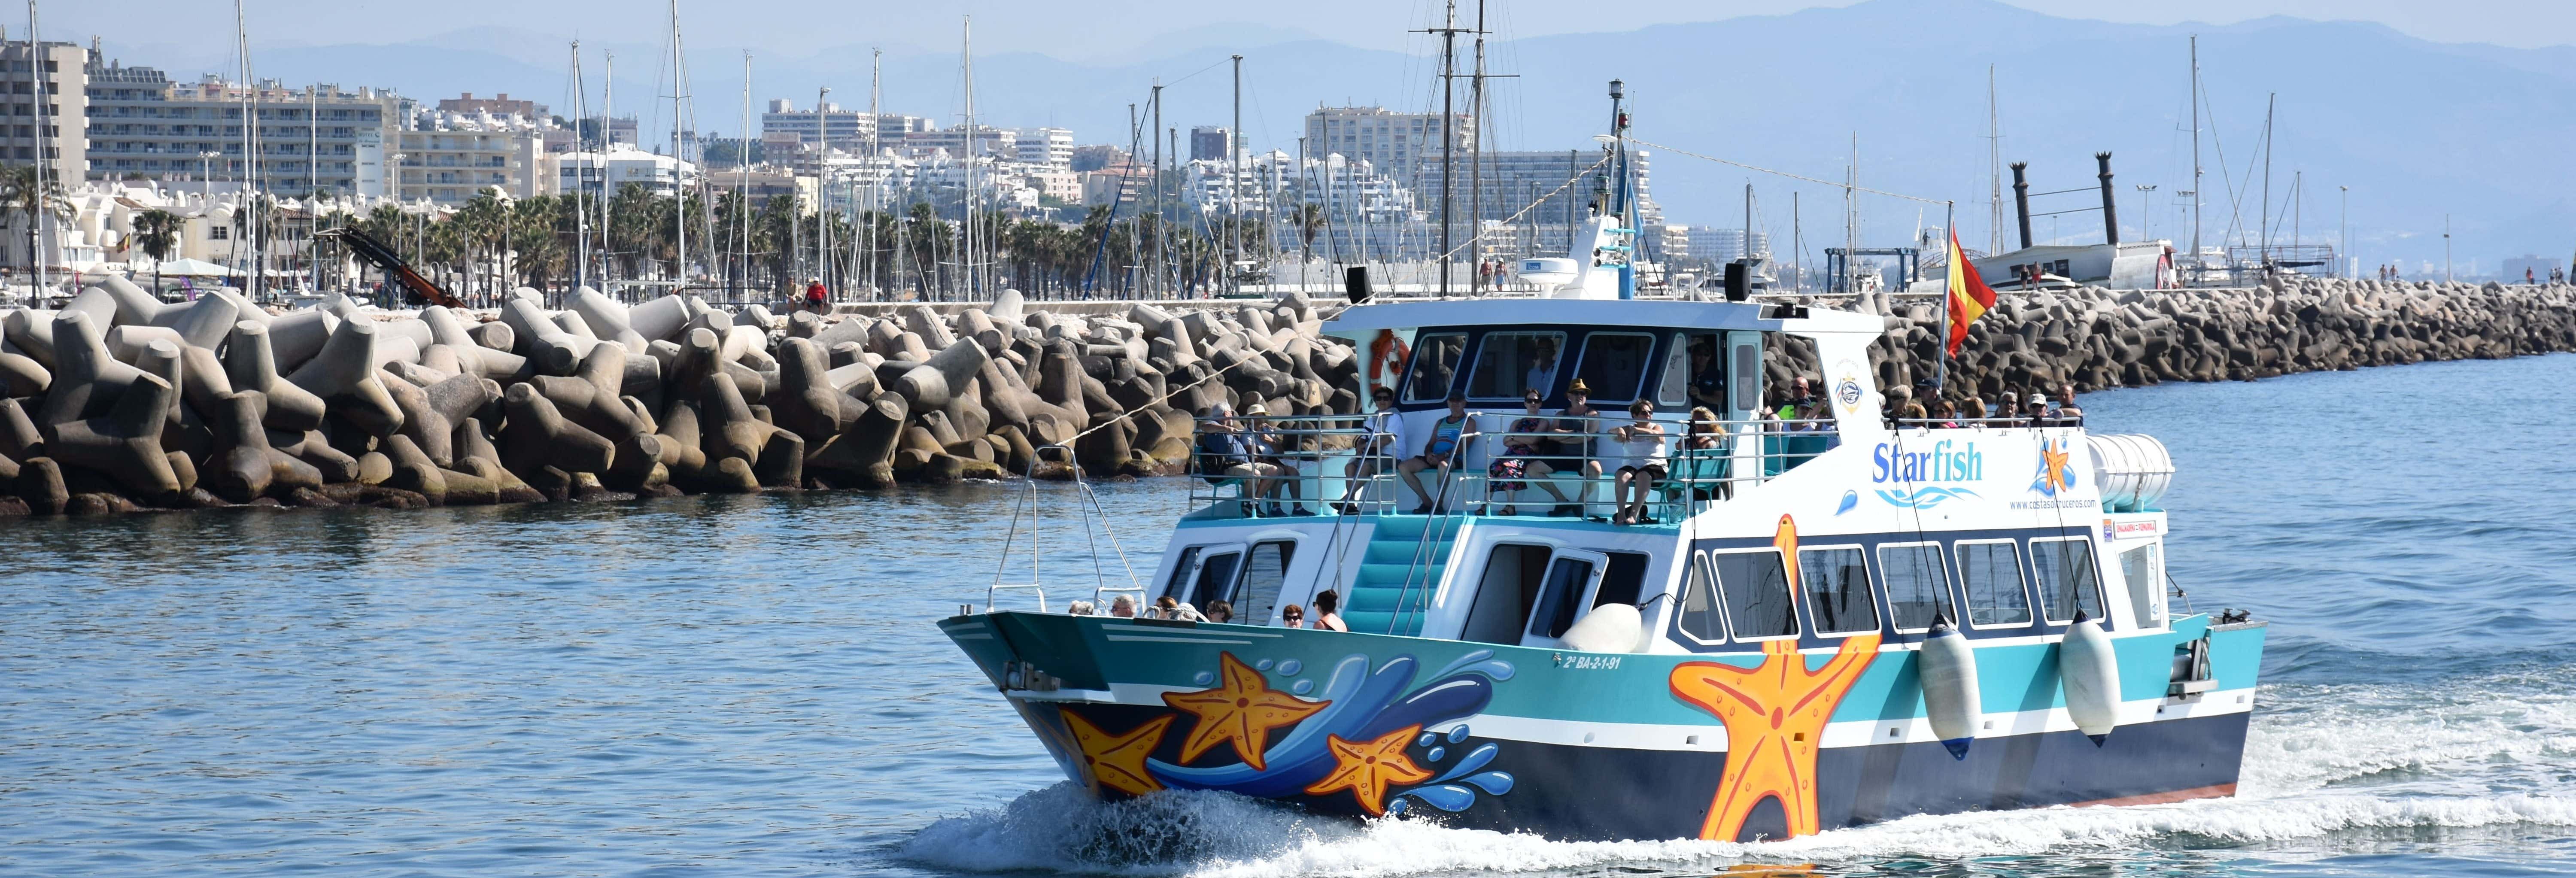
pixel 1825 620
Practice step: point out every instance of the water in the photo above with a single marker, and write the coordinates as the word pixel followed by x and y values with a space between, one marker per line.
pixel 752 686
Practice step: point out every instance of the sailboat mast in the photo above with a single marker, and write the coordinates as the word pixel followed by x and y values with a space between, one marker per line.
pixel 1994 168
pixel 740 265
pixel 1234 182
pixel 45 216
pixel 580 214
pixel 1476 160
pixel 822 194
pixel 1448 132
pixel 679 185
pixel 2265 236
pixel 966 255
pixel 876 182
pixel 2195 155
pixel 607 138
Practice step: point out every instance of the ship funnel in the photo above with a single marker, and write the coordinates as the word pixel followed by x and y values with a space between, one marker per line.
pixel 2021 200
pixel 2110 208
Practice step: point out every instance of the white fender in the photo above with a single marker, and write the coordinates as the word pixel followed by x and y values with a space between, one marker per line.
pixel 1948 672
pixel 1608 628
pixel 2088 672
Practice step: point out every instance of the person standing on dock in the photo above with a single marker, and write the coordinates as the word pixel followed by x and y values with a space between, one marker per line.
pixel 816 297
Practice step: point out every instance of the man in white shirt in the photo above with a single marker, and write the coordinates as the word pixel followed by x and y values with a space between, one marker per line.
pixel 1377 453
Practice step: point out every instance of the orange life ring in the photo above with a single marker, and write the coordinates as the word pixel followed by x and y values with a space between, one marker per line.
pixel 1387 356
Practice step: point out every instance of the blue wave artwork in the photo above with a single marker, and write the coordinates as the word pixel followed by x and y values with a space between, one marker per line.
pixel 1850 499
pixel 1366 704
pixel 1924 498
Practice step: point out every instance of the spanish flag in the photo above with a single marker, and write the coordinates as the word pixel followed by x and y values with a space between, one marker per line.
pixel 1969 295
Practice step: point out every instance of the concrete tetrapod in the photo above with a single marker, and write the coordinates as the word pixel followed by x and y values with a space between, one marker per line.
pixel 931 384
pixel 607 318
pixel 343 374
pixel 125 444
pixel 549 349
pixel 19 437
pixel 313 448
pixel 591 397
pixel 805 401
pixel 431 413
pixel 22 375
pixel 543 447
pixel 864 449
pixel 296 337
pixel 244 467
pixel 86 380
pixel 250 364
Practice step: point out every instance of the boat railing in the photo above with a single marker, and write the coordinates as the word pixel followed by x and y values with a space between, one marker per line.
pixel 1028 514
pixel 2022 421
pixel 1328 464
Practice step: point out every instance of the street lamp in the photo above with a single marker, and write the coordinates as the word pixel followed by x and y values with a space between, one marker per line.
pixel 2145 213
pixel 2343 230
pixel 206 172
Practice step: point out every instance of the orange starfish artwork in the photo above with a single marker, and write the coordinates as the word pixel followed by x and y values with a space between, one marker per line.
pixel 1775 716
pixel 1118 761
pixel 1241 711
pixel 1367 768
pixel 2054 475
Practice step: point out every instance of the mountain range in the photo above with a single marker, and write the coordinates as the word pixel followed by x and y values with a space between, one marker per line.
pixel 2417 130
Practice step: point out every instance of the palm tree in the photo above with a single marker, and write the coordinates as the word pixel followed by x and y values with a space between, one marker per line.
pixel 21 197
pixel 157 230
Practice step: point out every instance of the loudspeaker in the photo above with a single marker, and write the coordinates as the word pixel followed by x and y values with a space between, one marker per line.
pixel 1739 285
pixel 1355 284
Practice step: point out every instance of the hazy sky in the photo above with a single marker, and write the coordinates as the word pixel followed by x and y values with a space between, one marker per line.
pixel 1093 29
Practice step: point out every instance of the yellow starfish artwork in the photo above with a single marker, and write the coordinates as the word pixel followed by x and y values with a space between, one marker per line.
pixel 1775 716
pixel 2052 467
pixel 1240 711
pixel 1367 768
pixel 1118 761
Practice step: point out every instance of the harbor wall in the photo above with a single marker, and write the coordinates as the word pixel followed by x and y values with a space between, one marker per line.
pixel 120 402
pixel 2095 339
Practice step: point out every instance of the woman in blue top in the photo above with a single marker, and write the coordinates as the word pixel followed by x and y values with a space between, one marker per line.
pixel 1440 451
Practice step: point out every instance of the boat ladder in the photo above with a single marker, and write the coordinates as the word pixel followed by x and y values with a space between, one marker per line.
pixel 1029 507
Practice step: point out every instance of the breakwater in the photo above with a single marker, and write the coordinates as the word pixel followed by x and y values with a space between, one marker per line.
pixel 120 402
pixel 2096 338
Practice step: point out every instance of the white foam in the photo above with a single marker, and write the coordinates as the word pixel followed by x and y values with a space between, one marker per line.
pixel 2328 760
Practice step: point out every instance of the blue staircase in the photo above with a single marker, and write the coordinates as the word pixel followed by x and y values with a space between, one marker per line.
pixel 1399 572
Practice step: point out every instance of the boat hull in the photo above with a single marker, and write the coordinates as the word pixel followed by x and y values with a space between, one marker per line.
pixel 1598 746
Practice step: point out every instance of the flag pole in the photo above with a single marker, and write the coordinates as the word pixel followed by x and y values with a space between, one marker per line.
pixel 1949 291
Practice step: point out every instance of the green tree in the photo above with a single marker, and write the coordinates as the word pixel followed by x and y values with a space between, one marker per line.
pixel 157 231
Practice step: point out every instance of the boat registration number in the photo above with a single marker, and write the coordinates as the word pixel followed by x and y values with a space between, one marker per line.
pixel 1587 662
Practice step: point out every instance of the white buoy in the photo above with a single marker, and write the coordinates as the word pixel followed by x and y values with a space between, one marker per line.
pixel 2088 672
pixel 1608 628
pixel 1947 669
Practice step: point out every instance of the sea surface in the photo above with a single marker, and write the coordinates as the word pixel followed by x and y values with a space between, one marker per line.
pixel 743 686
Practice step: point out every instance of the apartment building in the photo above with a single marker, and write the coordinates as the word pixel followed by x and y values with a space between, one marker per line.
pixel 497 105
pixel 143 125
pixel 989 142
pixel 451 157
pixel 54 128
pixel 841 129
pixel 620 165
pixel 1385 139
pixel 1052 147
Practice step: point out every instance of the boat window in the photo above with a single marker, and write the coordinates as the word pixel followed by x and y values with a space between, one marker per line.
pixel 1700 617
pixel 1560 596
pixel 1623 581
pixel 1435 362
pixel 1263 573
pixel 1755 586
pixel 1918 585
pixel 2067 580
pixel 1509 364
pixel 1673 389
pixel 1613 366
pixel 1992 572
pixel 1504 595
pixel 1747 371
pixel 1216 579
pixel 1173 586
pixel 2144 569
pixel 1838 593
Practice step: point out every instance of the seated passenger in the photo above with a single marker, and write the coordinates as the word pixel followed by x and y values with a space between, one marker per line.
pixel 1704 460
pixel 2067 412
pixel 1079 608
pixel 1328 617
pixel 2037 410
pixel 1266 445
pixel 1707 383
pixel 1377 453
pixel 1518 461
pixel 1971 410
pixel 1578 422
pixel 1640 444
pixel 1123 607
pixel 1292 616
pixel 1220 612
pixel 1943 416
pixel 1439 452
pixel 1166 607
pixel 1227 452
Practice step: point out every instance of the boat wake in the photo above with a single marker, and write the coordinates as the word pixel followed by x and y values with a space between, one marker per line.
pixel 2323 762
